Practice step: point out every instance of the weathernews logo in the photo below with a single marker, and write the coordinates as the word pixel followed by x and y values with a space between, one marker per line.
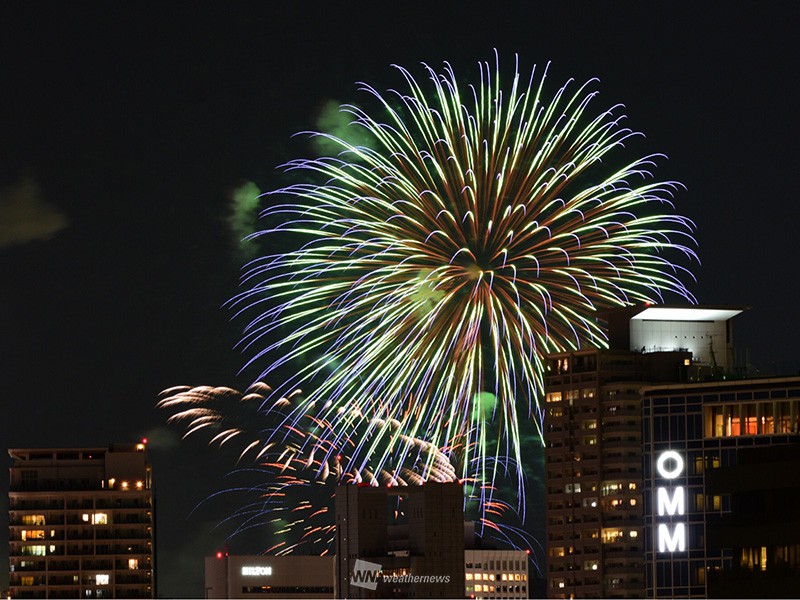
pixel 368 574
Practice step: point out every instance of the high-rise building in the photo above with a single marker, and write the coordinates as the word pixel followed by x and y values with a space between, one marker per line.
pixel 400 541
pixel 593 441
pixel 721 477
pixel 81 523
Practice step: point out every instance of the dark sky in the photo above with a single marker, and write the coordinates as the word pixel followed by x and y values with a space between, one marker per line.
pixel 127 125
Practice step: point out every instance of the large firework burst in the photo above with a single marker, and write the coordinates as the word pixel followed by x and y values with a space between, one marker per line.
pixel 481 227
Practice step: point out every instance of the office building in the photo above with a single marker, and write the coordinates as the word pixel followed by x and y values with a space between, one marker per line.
pixel 720 488
pixel 269 576
pixel 400 541
pixel 81 523
pixel 496 573
pixel 593 441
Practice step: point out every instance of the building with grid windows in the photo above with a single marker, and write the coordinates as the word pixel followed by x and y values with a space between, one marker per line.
pixel 81 523
pixel 593 440
pixel 496 573
pixel 720 488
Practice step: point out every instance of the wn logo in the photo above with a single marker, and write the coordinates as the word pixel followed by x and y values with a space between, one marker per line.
pixel 365 574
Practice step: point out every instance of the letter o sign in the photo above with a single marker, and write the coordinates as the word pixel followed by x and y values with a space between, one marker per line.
pixel 661 464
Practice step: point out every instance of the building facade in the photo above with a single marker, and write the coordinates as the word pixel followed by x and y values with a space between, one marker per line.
pixel 81 523
pixel 496 573
pixel 269 576
pixel 400 541
pixel 593 440
pixel 593 469
pixel 720 483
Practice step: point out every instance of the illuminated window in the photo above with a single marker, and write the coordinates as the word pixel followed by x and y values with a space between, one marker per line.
pixel 634 533
pixel 699 502
pixel 139 485
pixel 34 550
pixel 572 487
pixel 478 587
pixel 26 580
pixel 750 419
pixel 589 424
pixel 52 548
pixel 612 534
pixel 99 519
pixel 633 501
pixel 85 517
pixel 553 397
pixel 469 575
pixel 101 579
pixel 32 534
pixel 124 485
pixel 763 558
pixel 557 551
pixel 631 486
pixel 33 519
pixel 590 565
pixel 784 417
pixel 478 576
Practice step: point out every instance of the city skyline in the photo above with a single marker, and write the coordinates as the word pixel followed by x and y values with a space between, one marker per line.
pixel 128 129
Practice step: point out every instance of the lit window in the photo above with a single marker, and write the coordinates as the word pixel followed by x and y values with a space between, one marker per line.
pixel 633 501
pixel 124 485
pixel 101 579
pixel 478 576
pixel 33 519
pixel 139 485
pixel 32 534
pixel 611 534
pixel 26 580
pixel 631 486
pixel 469 576
pixel 85 517
pixel 478 587
pixel 633 533
pixel 99 519
pixel 34 550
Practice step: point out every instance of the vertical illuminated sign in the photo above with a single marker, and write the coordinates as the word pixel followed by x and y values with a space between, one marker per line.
pixel 670 502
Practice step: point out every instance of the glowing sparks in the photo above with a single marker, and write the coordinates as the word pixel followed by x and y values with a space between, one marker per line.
pixel 481 227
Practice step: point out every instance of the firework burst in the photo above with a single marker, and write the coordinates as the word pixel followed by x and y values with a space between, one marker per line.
pixel 482 227
pixel 291 481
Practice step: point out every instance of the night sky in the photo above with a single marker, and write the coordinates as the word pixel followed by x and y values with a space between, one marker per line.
pixel 124 129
